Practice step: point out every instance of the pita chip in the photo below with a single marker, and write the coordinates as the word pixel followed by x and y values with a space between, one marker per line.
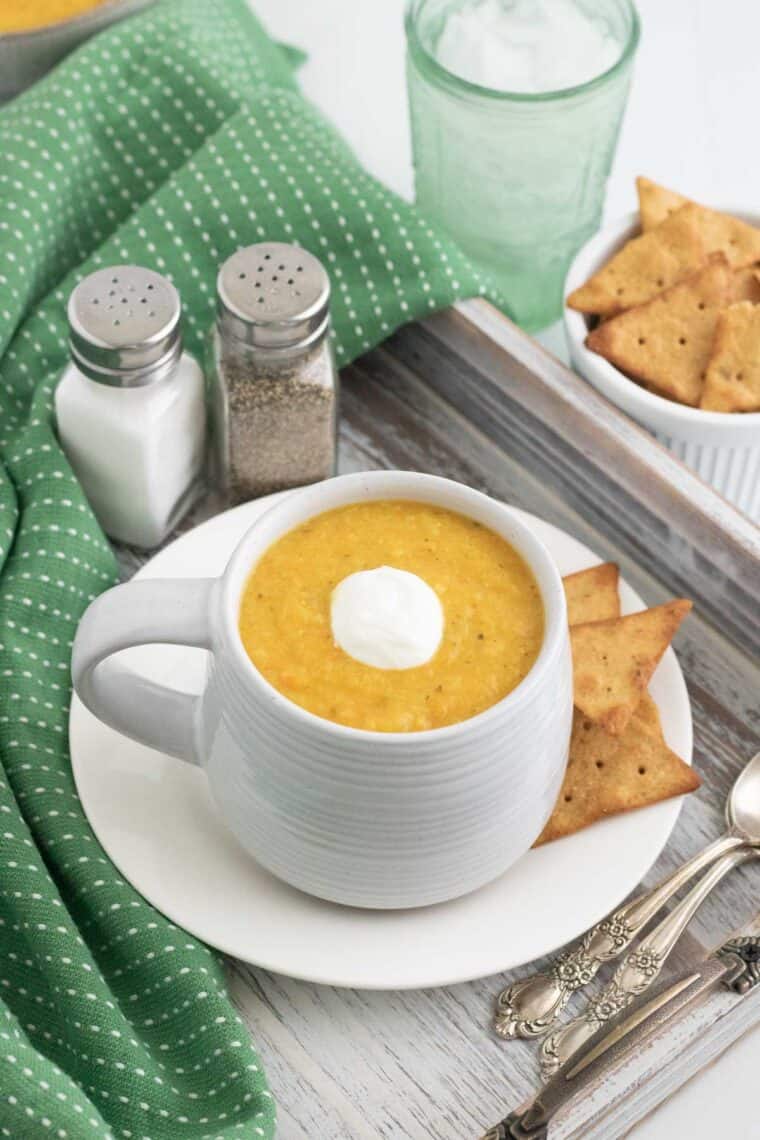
pixel 656 203
pixel 739 241
pixel 592 595
pixel 644 267
pixel 732 382
pixel 613 661
pixel 607 774
pixel 667 342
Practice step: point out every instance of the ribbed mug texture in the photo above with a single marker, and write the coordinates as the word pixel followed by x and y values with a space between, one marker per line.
pixel 384 819
pixel 734 471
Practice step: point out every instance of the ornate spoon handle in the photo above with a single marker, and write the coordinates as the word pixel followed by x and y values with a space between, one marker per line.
pixel 529 1006
pixel 638 970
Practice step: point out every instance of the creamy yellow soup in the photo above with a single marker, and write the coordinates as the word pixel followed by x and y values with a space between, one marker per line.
pixel 493 616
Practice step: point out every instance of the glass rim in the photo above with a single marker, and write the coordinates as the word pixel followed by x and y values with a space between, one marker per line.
pixel 447 78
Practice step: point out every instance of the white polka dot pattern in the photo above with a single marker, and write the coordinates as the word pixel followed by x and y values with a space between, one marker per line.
pixel 170 140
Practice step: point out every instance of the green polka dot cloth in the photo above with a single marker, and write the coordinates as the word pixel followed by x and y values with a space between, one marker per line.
pixel 168 141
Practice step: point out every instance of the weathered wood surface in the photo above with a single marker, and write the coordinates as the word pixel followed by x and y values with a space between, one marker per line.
pixel 349 1065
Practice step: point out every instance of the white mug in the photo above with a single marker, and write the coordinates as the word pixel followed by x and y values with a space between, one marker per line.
pixel 370 819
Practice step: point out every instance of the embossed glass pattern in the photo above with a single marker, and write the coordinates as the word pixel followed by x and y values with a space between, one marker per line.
pixel 517 179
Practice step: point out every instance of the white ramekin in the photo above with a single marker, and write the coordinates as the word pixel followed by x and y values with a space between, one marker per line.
pixel 723 448
pixel 364 818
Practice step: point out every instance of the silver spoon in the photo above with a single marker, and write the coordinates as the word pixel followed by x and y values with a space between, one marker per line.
pixel 529 1007
pixel 639 969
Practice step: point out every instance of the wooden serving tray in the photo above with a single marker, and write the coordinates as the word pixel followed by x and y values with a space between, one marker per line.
pixel 467 395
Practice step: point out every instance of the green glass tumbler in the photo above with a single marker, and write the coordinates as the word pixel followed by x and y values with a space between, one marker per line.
pixel 517 179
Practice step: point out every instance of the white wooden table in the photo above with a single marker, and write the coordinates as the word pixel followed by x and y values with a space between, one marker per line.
pixel 372 1066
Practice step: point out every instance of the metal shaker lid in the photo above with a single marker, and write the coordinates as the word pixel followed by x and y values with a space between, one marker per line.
pixel 124 326
pixel 273 296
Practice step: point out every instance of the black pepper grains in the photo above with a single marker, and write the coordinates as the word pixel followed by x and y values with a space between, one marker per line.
pixel 274 390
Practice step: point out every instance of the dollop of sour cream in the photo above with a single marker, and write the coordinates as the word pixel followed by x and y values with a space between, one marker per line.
pixel 387 618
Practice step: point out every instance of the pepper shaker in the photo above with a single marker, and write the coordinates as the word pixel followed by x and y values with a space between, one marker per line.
pixel 274 384
pixel 130 406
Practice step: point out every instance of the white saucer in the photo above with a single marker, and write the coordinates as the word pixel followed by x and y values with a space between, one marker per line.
pixel 154 817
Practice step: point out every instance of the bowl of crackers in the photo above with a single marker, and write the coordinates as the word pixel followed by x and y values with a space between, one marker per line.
pixel 663 317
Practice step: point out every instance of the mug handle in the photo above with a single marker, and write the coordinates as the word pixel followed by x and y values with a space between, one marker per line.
pixel 148 611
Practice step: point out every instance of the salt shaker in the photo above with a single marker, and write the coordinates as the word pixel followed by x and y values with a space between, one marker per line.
pixel 131 405
pixel 273 384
